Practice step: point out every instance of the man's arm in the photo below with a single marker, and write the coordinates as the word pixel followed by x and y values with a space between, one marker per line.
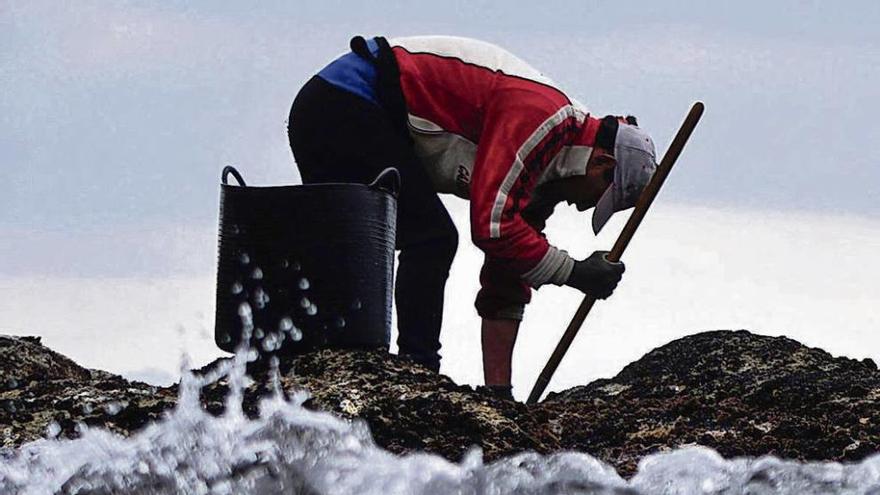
pixel 503 297
pixel 514 150
pixel 498 338
pixel 512 154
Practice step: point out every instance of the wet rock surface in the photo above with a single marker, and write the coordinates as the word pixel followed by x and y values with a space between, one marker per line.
pixel 739 393
pixel 45 394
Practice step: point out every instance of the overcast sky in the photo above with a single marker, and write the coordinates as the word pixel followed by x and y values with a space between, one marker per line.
pixel 123 112
pixel 117 117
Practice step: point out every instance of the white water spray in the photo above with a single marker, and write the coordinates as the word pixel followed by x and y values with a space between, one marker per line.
pixel 288 449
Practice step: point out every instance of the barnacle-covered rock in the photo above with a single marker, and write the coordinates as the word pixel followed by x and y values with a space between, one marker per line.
pixel 739 393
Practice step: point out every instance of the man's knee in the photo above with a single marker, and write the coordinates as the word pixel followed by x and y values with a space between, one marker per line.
pixel 443 248
pixel 439 246
pixel 448 246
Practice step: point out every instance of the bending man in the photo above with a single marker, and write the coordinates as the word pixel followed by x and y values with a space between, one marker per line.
pixel 468 118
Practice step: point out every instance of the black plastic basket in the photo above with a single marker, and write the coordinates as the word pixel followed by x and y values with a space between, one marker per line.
pixel 305 267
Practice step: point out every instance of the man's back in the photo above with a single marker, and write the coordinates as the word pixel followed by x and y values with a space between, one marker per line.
pixel 450 81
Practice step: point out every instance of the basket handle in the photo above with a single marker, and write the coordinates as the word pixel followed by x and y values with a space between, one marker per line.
pixel 388 180
pixel 229 169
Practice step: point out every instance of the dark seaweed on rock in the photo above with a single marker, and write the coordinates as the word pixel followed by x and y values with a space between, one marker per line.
pixel 737 392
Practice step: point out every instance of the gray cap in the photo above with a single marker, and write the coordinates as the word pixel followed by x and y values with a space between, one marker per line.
pixel 636 163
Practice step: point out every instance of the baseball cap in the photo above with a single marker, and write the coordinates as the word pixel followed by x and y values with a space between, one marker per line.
pixel 636 164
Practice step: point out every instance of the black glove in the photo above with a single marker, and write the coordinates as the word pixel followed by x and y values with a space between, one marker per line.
pixel 596 276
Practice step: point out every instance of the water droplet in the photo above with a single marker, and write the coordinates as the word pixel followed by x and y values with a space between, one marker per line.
pixel 356 304
pixel 113 408
pixel 296 266
pixel 237 288
pixel 312 310
pixel 285 324
pixel 258 333
pixel 246 315
pixel 304 284
pixel 271 342
pixel 244 258
pixel 261 299
pixel 244 310
pixel 53 429
pixel 305 303
pixel 257 274
pixel 252 355
pixel 225 338
pixel 234 229
pixel 285 263
pixel 296 334
pixel 339 322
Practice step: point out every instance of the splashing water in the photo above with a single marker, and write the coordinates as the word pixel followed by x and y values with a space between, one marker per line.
pixel 286 324
pixel 53 430
pixel 288 449
pixel 261 298
pixel 286 327
pixel 272 342
pixel 115 407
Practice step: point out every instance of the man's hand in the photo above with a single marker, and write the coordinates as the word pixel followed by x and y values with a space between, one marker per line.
pixel 596 276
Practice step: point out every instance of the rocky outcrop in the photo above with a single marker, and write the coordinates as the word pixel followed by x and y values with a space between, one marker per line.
pixel 43 393
pixel 739 393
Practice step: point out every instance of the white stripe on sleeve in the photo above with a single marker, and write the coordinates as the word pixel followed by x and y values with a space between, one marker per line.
pixel 555 268
pixel 516 168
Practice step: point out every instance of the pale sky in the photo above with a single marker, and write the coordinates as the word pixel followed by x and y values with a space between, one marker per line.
pixel 117 117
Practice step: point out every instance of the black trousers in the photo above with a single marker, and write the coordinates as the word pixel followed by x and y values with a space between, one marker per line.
pixel 337 136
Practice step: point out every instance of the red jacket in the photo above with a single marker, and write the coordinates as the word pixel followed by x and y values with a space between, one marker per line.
pixel 490 128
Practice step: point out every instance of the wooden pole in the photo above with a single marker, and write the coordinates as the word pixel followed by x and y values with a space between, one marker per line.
pixel 641 208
